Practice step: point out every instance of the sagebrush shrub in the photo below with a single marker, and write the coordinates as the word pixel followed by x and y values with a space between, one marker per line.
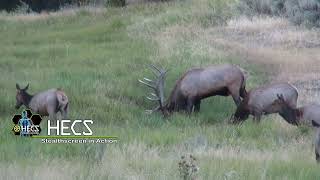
pixel 306 12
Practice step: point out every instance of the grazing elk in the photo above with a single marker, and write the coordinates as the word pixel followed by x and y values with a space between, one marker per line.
pixel 195 85
pixel 46 103
pixel 260 101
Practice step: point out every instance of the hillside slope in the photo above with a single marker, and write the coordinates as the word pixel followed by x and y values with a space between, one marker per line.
pixel 97 55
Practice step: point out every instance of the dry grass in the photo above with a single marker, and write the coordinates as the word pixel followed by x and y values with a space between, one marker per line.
pixel 266 40
pixel 48 170
pixel 290 53
pixel 135 160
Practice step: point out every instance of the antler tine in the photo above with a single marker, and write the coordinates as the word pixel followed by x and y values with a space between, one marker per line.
pixel 152 110
pixel 149 80
pixel 153 99
pixel 153 94
pixel 147 84
pixel 156 68
pixel 158 71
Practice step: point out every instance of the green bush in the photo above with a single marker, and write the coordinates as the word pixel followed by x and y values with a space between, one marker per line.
pixel 23 8
pixel 217 12
pixel 250 7
pixel 306 12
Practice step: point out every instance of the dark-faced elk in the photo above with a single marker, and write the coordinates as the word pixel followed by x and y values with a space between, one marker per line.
pixel 260 101
pixel 46 103
pixel 308 114
pixel 303 115
pixel 195 85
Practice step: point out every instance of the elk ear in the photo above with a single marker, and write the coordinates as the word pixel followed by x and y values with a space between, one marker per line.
pixel 280 97
pixel 17 86
pixel 315 124
pixel 26 88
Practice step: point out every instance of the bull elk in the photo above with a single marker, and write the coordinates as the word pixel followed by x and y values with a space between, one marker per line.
pixel 260 101
pixel 46 103
pixel 195 85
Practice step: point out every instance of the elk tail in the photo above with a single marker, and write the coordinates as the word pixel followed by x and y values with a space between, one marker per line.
pixel 63 101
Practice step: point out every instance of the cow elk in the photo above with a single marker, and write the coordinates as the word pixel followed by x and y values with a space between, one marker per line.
pixel 46 103
pixel 260 101
pixel 195 85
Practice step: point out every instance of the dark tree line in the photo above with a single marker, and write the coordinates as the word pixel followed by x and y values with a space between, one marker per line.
pixel 53 5
pixel 39 5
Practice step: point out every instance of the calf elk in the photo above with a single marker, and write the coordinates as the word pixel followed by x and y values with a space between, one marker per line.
pixel 195 85
pixel 46 103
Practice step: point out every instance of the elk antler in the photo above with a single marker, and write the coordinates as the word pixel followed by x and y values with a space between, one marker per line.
pixel 280 97
pixel 157 86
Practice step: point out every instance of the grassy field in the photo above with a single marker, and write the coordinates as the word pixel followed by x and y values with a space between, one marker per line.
pixel 97 55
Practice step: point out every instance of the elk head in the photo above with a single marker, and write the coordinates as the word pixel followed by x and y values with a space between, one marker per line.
pixel 22 97
pixel 157 86
pixel 242 112
pixel 291 115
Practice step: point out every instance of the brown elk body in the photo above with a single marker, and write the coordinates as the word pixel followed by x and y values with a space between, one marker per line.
pixel 46 103
pixel 308 115
pixel 260 101
pixel 317 140
pixel 197 84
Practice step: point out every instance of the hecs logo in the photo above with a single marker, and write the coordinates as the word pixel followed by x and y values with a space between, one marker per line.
pixel 26 124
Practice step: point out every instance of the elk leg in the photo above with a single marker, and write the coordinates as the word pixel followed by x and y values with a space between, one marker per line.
pixel 257 117
pixel 236 100
pixel 64 112
pixel 52 116
pixel 317 157
pixel 235 96
pixel 52 113
pixel 190 104
pixel 197 106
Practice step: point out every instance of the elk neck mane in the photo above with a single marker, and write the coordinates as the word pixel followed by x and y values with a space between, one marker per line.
pixel 173 98
pixel 171 101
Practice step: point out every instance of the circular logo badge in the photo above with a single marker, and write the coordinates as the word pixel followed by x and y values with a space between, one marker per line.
pixel 16 128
